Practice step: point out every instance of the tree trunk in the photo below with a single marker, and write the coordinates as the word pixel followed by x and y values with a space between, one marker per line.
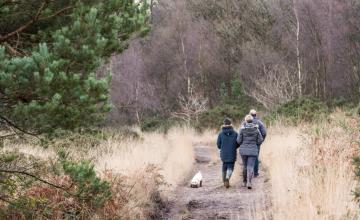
pixel 151 11
pixel 228 81
pixel 297 49
pixel 185 65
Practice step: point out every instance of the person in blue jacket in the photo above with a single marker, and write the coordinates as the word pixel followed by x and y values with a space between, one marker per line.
pixel 262 130
pixel 227 146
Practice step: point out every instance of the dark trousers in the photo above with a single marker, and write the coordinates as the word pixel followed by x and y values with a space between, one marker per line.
pixel 227 170
pixel 248 167
pixel 256 166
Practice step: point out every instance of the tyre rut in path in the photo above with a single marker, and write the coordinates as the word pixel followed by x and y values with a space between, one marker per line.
pixel 213 200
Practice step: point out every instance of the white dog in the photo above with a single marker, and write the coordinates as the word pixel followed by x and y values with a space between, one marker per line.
pixel 196 180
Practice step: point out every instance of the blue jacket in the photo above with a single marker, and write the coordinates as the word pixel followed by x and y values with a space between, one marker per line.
pixel 249 139
pixel 261 125
pixel 227 144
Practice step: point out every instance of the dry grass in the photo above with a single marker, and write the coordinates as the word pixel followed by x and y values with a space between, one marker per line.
pixel 155 162
pixel 173 152
pixel 141 170
pixel 310 170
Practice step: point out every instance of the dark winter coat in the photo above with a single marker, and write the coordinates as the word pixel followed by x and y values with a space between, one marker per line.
pixel 261 125
pixel 227 144
pixel 249 139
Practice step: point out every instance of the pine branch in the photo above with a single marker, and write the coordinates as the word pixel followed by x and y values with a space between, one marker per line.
pixel 56 13
pixel 27 24
pixel 8 2
pixel 12 50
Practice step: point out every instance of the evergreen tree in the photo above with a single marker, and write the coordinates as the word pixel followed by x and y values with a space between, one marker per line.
pixel 49 54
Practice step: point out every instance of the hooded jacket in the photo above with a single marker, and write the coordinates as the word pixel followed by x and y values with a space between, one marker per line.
pixel 249 139
pixel 261 125
pixel 227 144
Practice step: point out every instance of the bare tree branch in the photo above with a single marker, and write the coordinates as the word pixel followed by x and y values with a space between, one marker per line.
pixel 37 178
pixel 11 124
pixel 190 107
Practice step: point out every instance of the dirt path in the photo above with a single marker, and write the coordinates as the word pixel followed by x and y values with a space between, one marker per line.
pixel 213 201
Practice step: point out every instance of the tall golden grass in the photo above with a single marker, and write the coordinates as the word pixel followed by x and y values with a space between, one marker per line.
pixel 172 152
pixel 311 170
pixel 141 169
pixel 153 164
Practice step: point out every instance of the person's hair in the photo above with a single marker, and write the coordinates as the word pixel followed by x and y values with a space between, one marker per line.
pixel 227 121
pixel 249 118
pixel 252 112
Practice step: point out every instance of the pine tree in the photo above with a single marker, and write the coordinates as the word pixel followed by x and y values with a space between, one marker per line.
pixel 49 54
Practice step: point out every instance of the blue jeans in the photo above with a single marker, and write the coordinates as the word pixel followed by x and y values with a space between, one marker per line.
pixel 227 170
pixel 248 167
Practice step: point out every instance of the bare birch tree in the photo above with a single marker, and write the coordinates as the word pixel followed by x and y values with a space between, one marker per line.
pixel 277 86
pixel 298 58
pixel 190 107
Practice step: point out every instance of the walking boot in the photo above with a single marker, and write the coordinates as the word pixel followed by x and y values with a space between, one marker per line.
pixel 249 179
pixel 226 183
pixel 249 185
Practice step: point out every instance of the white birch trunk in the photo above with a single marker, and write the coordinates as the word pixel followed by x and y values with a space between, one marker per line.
pixel 297 49
pixel 185 65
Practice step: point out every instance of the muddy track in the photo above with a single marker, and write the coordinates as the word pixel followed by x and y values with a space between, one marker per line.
pixel 213 201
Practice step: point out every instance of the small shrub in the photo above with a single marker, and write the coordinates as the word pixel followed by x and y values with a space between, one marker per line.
pixel 63 190
pixel 214 117
pixel 89 189
pixel 357 174
pixel 303 109
pixel 135 196
pixel 157 123
pixel 356 141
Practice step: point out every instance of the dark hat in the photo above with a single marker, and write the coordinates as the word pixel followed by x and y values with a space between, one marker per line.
pixel 227 121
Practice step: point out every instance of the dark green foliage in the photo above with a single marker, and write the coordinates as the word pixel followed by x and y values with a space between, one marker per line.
pixel 237 91
pixel 235 107
pixel 357 175
pixel 299 110
pixel 89 188
pixel 51 83
pixel 356 162
pixel 214 117
pixel 13 184
pixel 32 187
pixel 157 123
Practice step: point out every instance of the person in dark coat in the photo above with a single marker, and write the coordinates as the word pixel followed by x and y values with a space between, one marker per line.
pixel 227 145
pixel 262 130
pixel 249 139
